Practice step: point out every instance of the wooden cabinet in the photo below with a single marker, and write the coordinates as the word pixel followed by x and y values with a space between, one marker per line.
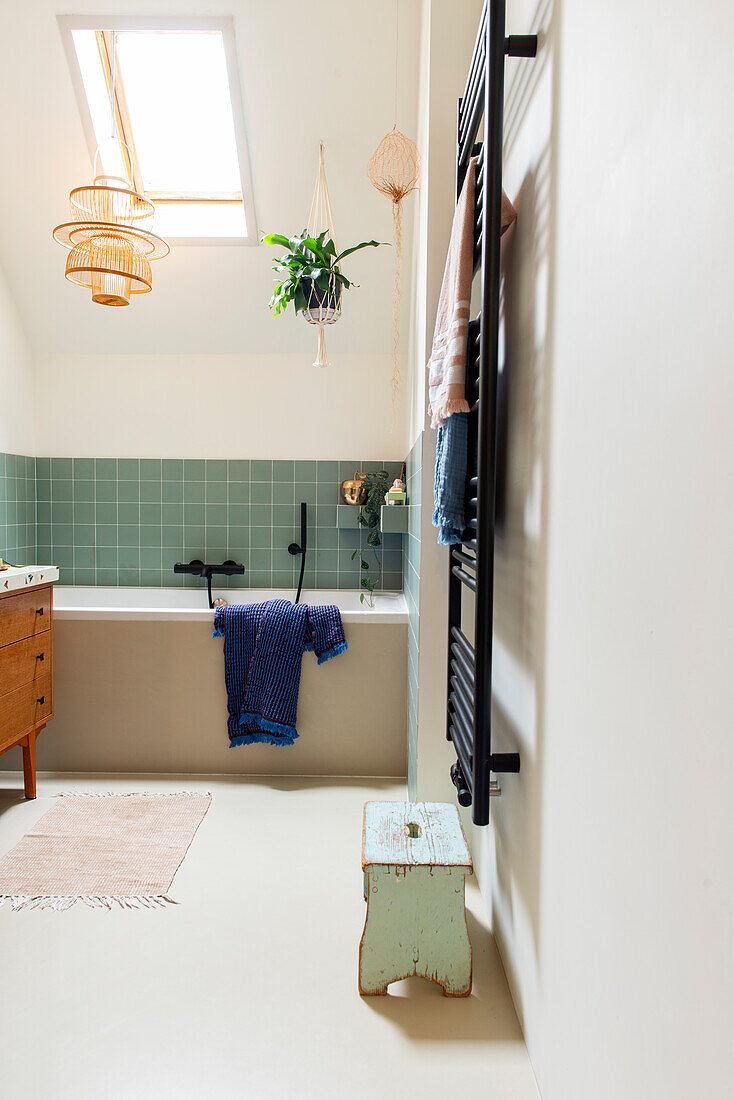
pixel 26 672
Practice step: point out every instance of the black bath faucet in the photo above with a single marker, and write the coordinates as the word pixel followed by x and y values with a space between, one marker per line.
pixel 197 568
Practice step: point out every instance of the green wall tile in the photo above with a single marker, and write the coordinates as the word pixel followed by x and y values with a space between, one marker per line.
pixel 106 534
pixel 172 538
pixel 128 469
pixel 261 470
pixel 83 491
pixel 172 513
pixel 284 515
pixel 194 492
pixel 128 535
pixel 194 469
pixel 216 514
pixel 172 492
pixel 150 557
pixel 261 492
pixel 62 489
pixel 305 470
pixel 216 469
pixel 84 534
pixel 216 492
pixel 105 468
pixel 128 520
pixel 83 468
pixel 150 492
pixel 283 470
pixel 128 491
pixel 127 513
pixel 85 557
pixel 238 515
pixel 172 469
pixel 238 469
pixel 150 535
pixel 150 469
pixel 261 537
pixel 105 491
pixel 151 513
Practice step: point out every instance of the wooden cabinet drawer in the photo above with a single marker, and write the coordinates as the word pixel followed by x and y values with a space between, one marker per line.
pixel 22 662
pixel 27 706
pixel 24 614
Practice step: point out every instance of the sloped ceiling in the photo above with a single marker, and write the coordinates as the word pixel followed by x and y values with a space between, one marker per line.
pixel 309 71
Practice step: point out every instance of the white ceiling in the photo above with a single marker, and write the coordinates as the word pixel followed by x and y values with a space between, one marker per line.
pixel 323 69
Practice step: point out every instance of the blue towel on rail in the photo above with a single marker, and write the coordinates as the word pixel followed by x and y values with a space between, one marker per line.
pixel 263 647
pixel 450 479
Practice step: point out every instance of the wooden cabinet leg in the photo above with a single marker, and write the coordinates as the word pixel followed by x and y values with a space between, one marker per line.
pixel 29 764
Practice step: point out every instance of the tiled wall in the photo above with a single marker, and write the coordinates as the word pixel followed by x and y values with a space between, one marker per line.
pixel 18 509
pixel 108 521
pixel 411 579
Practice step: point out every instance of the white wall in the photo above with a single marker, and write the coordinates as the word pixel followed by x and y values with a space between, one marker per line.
pixel 16 379
pixel 217 406
pixel 446 42
pixel 608 865
pixel 204 337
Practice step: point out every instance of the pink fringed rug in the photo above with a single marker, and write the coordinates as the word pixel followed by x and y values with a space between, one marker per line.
pixel 104 850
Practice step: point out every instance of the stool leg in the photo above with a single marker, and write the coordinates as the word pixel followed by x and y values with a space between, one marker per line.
pixel 386 949
pixel 29 764
pixel 445 948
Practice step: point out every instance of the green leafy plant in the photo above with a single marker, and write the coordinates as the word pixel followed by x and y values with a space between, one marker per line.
pixel 376 484
pixel 308 261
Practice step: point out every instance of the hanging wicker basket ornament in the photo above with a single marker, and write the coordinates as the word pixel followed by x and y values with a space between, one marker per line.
pixel 324 306
pixel 393 169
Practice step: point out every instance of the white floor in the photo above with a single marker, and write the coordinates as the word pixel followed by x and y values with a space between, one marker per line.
pixel 248 987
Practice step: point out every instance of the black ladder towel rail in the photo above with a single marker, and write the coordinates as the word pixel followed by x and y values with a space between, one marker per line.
pixel 469 703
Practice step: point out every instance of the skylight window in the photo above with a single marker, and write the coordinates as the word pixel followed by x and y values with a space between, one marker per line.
pixel 178 110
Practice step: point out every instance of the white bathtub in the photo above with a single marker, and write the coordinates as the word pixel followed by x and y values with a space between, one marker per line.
pixel 190 604
pixel 139 687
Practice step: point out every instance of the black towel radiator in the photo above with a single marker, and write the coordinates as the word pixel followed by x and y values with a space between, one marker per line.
pixel 471 565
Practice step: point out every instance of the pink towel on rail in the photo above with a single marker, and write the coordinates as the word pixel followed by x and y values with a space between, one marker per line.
pixel 447 365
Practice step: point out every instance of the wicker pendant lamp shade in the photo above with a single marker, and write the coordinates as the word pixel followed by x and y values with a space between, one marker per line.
pixel 110 241
pixel 109 236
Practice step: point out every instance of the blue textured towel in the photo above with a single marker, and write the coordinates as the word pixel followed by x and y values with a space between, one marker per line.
pixel 450 480
pixel 263 647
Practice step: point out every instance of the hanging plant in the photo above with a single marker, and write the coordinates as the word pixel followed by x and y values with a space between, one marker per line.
pixel 314 281
pixel 311 272
pixel 376 484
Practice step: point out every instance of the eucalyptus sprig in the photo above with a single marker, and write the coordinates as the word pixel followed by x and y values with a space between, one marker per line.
pixel 307 257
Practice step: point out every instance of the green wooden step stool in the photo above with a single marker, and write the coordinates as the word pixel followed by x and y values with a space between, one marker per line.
pixel 415 859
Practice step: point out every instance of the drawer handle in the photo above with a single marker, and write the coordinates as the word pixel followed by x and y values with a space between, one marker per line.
pixel 39 656
pixel 39 611
pixel 41 699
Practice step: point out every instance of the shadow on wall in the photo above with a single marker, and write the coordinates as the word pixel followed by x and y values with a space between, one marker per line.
pixel 508 854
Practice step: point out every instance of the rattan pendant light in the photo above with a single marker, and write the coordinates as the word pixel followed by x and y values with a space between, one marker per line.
pixel 109 236
pixel 393 169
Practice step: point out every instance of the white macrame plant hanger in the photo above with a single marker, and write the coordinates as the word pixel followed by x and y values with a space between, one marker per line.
pixel 324 307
